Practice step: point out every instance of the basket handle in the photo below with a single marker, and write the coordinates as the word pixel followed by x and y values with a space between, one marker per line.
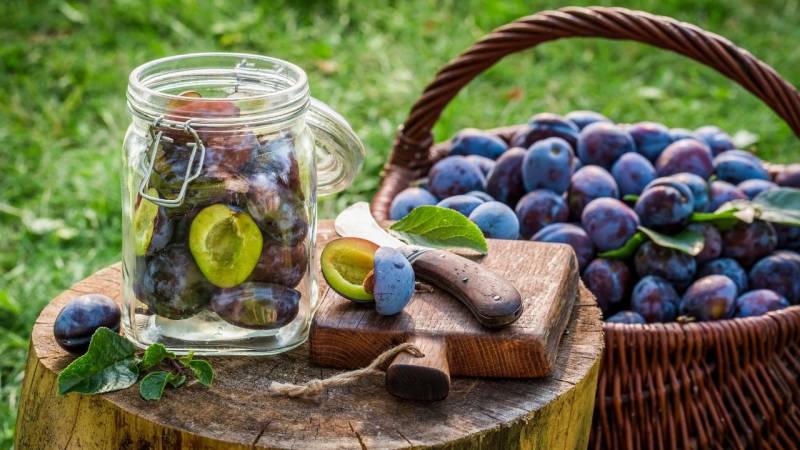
pixel 414 139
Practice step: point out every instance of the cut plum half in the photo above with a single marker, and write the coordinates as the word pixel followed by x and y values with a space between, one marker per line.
pixel 346 262
pixel 152 228
pixel 226 244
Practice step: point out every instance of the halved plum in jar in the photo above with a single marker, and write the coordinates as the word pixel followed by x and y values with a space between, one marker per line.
pixel 346 263
pixel 152 229
pixel 226 244
pixel 260 306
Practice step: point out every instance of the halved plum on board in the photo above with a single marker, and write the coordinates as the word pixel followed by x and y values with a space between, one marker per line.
pixel 226 244
pixel 346 262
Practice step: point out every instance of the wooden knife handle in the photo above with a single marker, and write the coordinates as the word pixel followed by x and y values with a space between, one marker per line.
pixel 493 301
pixel 424 379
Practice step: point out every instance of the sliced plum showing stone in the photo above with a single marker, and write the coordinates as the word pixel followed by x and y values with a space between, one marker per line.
pixel 258 306
pixel 346 262
pixel 226 244
pixel 152 229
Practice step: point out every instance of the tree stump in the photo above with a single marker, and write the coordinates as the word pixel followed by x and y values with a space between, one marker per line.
pixel 237 412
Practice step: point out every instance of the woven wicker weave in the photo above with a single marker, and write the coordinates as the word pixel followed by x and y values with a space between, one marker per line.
pixel 727 384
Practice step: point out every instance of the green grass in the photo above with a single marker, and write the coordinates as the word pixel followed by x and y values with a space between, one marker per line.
pixel 64 66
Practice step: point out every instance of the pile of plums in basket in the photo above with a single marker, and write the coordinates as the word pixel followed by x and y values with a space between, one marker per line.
pixel 585 181
pixel 238 244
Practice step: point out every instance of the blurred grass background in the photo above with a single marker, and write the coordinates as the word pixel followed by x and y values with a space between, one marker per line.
pixel 64 67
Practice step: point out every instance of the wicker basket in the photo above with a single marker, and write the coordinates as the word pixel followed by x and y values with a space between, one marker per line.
pixel 729 384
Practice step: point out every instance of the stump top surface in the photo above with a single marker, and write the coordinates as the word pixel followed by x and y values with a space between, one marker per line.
pixel 238 411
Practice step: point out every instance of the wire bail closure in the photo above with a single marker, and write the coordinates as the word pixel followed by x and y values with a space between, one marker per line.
pixel 189 176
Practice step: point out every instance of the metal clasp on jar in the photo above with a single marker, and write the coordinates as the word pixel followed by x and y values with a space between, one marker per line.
pixel 156 137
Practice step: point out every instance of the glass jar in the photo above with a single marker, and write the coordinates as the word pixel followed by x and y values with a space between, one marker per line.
pixel 223 162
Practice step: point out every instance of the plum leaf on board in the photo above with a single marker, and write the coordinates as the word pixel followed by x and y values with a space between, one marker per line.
pixel 437 227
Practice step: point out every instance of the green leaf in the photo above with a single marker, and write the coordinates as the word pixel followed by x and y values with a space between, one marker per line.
pixel 177 381
pixel 778 205
pixel 686 241
pixel 437 227
pixel 152 385
pixel 628 249
pixel 633 198
pixel 108 365
pixel 202 371
pixel 186 359
pixel 154 354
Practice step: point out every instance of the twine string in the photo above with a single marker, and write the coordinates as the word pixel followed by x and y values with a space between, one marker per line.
pixel 313 388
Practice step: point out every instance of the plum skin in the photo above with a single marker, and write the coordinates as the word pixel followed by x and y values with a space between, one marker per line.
pixel 548 165
pixel 651 138
pixel 393 281
pixel 655 299
pixel 736 168
pixel 540 208
pixel 258 306
pixel 710 298
pixel 673 265
pixel 475 142
pixel 454 175
pixel 717 140
pixel 752 188
pixel 407 200
pixel 603 143
pixel 81 317
pixel 496 220
pixel 748 242
pixel 280 263
pixel 627 317
pixel 505 182
pixel 609 222
pixel 728 267
pixel 172 284
pixel 686 155
pixel 587 184
pixel 464 204
pixel 721 192
pixel 278 212
pixel 666 205
pixel 609 280
pixel 759 302
pixel 572 235
pixel 584 118
pixel 632 172
pixel 546 125
pixel 712 247
pixel 698 186
pixel 779 272
pixel 484 164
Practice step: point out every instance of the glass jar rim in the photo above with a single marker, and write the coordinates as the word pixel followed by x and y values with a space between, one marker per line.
pixel 287 97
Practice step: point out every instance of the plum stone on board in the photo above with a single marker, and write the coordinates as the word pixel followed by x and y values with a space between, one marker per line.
pixel 238 413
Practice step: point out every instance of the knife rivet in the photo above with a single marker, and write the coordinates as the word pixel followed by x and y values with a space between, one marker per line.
pixel 465 279
pixel 496 298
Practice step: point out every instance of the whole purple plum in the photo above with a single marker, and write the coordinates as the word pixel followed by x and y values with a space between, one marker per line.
pixel 481 195
pixel 587 184
pixel 481 162
pixel 722 192
pixel 712 241
pixel 651 138
pixel 632 172
pixel 572 235
pixel 609 280
pixel 476 142
pixel 686 155
pixel 716 139
pixel 258 306
pixel 626 317
pixel 583 118
pixel 735 168
pixel 752 188
pixel 780 272
pixel 394 280
pixel 709 298
pixel 602 143
pixel 504 183
pixel 609 222
pixel 407 200
pixel 281 263
pixel 682 133
pixel 788 236
pixel 665 206
pixel 788 176
pixel 749 242
pixel 454 175
pixel 548 165
pixel 673 265
pixel 464 204
pixel 727 267
pixel 698 186
pixel 759 302
pixel 539 208
pixel 81 317
pixel 545 125
pixel 655 299
pixel 496 220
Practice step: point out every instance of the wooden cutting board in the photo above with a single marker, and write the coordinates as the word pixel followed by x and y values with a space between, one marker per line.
pixel 347 335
